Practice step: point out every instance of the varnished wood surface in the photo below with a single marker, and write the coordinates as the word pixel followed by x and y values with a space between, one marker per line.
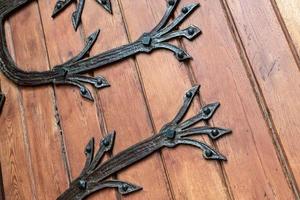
pixel 247 58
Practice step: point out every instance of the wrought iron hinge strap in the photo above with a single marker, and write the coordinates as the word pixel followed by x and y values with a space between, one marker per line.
pixel 70 72
pixel 94 175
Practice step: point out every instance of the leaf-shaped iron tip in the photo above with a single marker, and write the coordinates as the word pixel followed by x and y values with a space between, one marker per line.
pixel 127 188
pixel 108 141
pixel 210 154
pixel 192 92
pixel 209 110
pixel 192 32
pixel 59 6
pixel 106 4
pixel 86 93
pixel 216 133
pixel 89 147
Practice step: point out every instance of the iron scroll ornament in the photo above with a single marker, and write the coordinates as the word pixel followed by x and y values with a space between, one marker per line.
pixel 70 72
pixel 94 176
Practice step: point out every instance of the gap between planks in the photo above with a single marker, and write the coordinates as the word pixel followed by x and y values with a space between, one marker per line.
pixel 261 100
pixel 286 33
pixel 145 98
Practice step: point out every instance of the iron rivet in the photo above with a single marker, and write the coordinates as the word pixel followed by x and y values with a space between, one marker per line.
pixel 208 153
pixel 171 134
pixel 146 40
pixel 59 5
pixel 124 187
pixel 184 10
pixel 191 31
pixel 189 94
pixel 105 143
pixel 215 132
pixel 171 2
pixel 88 149
pixel 103 1
pixel 82 184
pixel 181 54
pixel 206 111
pixel 83 91
pixel 99 81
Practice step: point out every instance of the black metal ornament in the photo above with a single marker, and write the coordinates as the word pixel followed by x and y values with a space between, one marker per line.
pixel 94 176
pixel 2 100
pixel 70 72
pixel 76 16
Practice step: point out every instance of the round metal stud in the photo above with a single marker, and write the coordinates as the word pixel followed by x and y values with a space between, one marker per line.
pixel 171 2
pixel 59 5
pixel 191 31
pixel 105 143
pixel 88 149
pixel 206 111
pixel 99 81
pixel 124 187
pixel 184 10
pixel 181 54
pixel 189 94
pixel 208 153
pixel 82 184
pixel 83 91
pixel 215 132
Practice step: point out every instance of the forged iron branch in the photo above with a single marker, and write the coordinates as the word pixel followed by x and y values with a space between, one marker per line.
pixel 76 16
pixel 2 100
pixel 70 72
pixel 94 176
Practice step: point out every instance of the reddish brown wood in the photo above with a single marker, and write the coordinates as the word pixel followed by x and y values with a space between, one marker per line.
pixel 13 152
pixel 41 134
pixel 276 73
pixel 242 60
pixel 252 156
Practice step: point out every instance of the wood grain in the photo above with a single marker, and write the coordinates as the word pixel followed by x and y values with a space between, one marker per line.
pixel 275 70
pixel 218 67
pixel 124 107
pixel 78 117
pixel 245 59
pixel 289 12
pixel 13 152
pixel 41 132
pixel 165 81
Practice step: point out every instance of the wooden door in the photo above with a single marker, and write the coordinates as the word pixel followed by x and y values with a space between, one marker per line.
pixel 247 58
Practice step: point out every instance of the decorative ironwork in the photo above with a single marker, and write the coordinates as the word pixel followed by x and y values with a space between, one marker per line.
pixel 2 100
pixel 94 176
pixel 76 16
pixel 70 72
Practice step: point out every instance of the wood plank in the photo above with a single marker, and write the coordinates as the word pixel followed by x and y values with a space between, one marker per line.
pixel 165 81
pixel 252 159
pixel 124 108
pixel 16 169
pixel 43 139
pixel 275 70
pixel 289 12
pixel 79 118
